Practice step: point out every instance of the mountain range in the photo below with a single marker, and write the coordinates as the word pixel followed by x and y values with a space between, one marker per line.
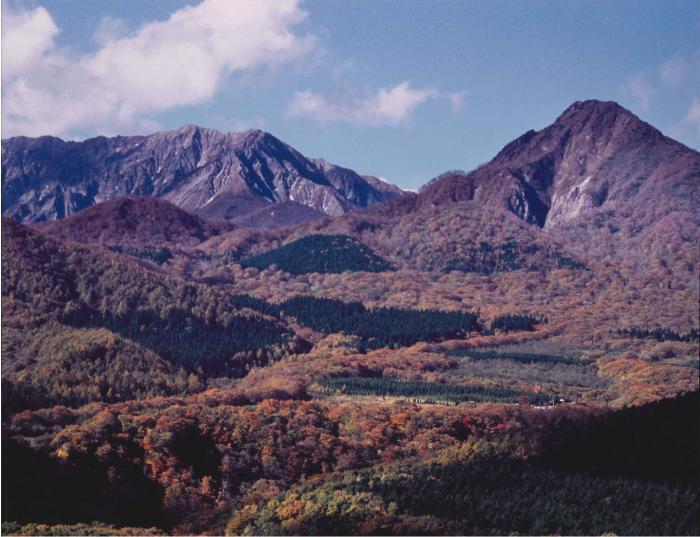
pixel 597 184
pixel 597 161
pixel 201 170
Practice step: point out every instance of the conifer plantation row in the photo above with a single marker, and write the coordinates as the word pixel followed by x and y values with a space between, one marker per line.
pixel 380 327
pixel 429 392
pixel 516 321
pixel 659 334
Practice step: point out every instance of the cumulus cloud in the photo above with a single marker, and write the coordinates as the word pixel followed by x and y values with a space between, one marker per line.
pixel 388 106
pixel 180 61
pixel 639 89
pixel 26 36
pixel 678 73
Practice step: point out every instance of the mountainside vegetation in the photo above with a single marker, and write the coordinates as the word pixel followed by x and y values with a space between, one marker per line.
pixel 59 365
pixel 481 498
pixel 480 490
pixel 134 223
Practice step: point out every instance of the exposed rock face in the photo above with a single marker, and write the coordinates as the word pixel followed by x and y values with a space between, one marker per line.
pixel 200 170
pixel 596 157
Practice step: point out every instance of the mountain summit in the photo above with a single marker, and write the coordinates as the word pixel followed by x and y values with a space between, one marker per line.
pixel 215 174
pixel 596 157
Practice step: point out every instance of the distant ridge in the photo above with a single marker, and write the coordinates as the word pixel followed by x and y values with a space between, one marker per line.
pixel 220 175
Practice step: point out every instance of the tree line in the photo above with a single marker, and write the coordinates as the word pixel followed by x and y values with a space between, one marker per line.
pixel 519 357
pixel 429 392
pixel 516 321
pixel 659 334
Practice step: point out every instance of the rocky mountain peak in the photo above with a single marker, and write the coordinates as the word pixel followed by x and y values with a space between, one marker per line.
pixel 596 157
pixel 188 129
pixel 592 107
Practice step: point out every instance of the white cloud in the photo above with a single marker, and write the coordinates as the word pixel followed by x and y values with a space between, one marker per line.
pixel 674 70
pixel 693 115
pixel 639 89
pixel 180 61
pixel 26 36
pixel 392 106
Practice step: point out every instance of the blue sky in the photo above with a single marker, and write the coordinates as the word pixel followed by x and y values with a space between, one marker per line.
pixel 401 89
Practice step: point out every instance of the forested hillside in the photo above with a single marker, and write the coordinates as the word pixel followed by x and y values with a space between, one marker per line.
pixel 135 223
pixel 79 324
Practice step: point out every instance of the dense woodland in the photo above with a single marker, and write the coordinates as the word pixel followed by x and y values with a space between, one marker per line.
pixel 80 326
pixel 322 254
pixel 509 351
pixel 516 321
pixel 570 488
pixel 379 327
pixel 480 498
pixel 191 342
pixel 506 256
pixel 58 365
